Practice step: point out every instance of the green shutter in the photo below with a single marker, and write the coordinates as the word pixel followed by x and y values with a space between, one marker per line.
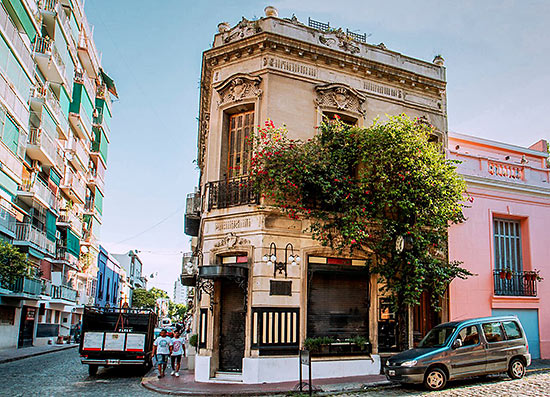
pixel 64 102
pixel 103 147
pixel 98 201
pixel 73 243
pixel 11 135
pixel 55 177
pixel 50 226
pixel 77 97
pixel 17 11
pixel 7 184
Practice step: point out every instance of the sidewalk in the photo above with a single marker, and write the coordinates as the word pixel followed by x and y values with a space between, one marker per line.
pixel 14 354
pixel 186 385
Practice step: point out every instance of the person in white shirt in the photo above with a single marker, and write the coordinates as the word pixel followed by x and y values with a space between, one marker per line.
pixel 177 346
pixel 161 349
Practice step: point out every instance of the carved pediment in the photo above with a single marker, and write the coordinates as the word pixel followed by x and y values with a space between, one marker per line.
pixel 231 240
pixel 340 40
pixel 340 97
pixel 238 87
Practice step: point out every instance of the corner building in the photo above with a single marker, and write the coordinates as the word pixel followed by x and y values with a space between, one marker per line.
pixel 251 318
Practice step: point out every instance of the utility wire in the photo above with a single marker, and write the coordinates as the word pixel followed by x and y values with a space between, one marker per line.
pixel 153 226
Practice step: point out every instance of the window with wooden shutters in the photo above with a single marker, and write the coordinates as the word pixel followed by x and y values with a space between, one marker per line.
pixel 507 234
pixel 240 126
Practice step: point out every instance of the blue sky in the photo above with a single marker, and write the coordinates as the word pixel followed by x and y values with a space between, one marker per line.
pixel 496 54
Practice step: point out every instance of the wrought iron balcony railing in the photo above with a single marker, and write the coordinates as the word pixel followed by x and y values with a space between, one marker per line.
pixel 231 193
pixel 63 292
pixel 515 283
pixel 26 285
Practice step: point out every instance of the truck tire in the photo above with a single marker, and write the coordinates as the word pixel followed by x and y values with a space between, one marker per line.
pixel 92 369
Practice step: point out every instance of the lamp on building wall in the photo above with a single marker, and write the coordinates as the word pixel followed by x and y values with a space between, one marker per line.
pixel 280 266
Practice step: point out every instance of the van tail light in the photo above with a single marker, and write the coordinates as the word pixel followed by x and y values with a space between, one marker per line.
pixel 83 355
pixel 140 357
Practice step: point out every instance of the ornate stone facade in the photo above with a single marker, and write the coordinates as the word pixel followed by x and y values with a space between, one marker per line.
pixel 339 97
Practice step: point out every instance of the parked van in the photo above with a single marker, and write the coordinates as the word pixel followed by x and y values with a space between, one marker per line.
pixel 462 349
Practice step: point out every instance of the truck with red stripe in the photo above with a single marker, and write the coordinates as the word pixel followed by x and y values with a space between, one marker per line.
pixel 116 336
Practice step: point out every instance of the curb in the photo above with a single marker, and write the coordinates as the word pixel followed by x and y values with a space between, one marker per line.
pixel 146 379
pixel 8 360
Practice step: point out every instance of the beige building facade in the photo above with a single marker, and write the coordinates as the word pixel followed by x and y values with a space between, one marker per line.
pixel 263 284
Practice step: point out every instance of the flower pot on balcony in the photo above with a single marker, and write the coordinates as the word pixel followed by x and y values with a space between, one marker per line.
pixel 508 275
pixel 502 274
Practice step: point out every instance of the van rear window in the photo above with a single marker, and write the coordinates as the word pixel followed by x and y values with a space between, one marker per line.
pixel 512 330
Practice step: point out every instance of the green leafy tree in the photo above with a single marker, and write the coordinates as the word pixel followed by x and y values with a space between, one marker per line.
pixel 143 298
pixel 176 311
pixel 363 189
pixel 159 293
pixel 13 264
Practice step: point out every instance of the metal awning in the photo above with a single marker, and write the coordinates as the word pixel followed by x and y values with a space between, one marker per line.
pixel 219 271
pixel 188 280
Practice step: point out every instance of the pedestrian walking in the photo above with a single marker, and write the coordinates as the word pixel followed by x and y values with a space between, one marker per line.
pixel 161 350
pixel 177 346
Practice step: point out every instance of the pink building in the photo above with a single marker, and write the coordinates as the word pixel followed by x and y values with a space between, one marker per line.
pixel 505 237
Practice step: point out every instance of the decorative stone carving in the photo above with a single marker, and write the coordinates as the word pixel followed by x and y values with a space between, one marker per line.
pixel 238 87
pixel 231 241
pixel 340 97
pixel 244 28
pixel 203 137
pixel 340 40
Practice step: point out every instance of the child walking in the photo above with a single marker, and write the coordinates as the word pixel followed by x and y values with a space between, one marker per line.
pixel 178 350
pixel 161 349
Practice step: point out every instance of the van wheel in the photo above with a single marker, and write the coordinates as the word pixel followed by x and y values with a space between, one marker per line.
pixel 516 369
pixel 435 379
pixel 92 369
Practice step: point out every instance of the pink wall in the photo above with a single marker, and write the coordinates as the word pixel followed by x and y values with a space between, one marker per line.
pixel 526 199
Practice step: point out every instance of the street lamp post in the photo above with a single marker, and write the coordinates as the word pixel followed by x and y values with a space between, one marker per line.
pixel 280 266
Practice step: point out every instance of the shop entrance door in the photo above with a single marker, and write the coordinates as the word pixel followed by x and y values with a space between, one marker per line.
pixel 232 319
pixel 26 327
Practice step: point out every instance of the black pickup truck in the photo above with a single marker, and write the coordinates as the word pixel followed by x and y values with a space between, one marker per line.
pixel 116 336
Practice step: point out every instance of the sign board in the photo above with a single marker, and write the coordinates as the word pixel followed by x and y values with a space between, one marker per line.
pixel 135 342
pixel 304 357
pixel 114 341
pixel 93 341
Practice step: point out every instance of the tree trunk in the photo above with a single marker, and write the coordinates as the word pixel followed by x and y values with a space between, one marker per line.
pixel 403 327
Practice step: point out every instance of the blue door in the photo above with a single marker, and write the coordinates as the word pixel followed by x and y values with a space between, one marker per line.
pixel 529 319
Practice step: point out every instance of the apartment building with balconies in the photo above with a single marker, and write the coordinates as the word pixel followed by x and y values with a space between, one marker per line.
pixel 52 93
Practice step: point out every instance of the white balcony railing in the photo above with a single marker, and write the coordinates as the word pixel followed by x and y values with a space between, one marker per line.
pixel 45 46
pixel 12 34
pixel 41 190
pixel 77 148
pixel 39 138
pixel 71 180
pixel 82 78
pixel 28 233
pixel 10 160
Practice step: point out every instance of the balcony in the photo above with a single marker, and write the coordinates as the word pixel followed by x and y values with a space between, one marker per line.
pixel 26 286
pixel 70 219
pixel 28 234
pixel 99 122
pixel 7 221
pixel 16 104
pixel 63 292
pixel 192 214
pixel 73 186
pixel 96 178
pixel 515 283
pixel 82 78
pixel 10 161
pixel 64 256
pixel 41 147
pixel 81 124
pixel 41 96
pixel 79 155
pixel 86 49
pixel 231 193
pixel 49 61
pixel 38 190
pixel 12 34
pixel 103 93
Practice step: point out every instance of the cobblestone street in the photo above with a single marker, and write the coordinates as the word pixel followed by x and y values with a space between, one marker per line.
pixel 533 385
pixel 62 374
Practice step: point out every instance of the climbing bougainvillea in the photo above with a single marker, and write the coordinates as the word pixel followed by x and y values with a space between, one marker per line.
pixel 363 189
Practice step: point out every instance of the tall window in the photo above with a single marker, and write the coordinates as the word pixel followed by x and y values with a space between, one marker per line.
pixel 238 150
pixel 507 235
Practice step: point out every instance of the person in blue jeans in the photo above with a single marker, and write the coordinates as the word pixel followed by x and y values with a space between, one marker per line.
pixel 161 350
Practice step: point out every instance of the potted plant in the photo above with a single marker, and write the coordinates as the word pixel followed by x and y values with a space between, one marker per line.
pixel 508 273
pixel 502 274
pixel 194 340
